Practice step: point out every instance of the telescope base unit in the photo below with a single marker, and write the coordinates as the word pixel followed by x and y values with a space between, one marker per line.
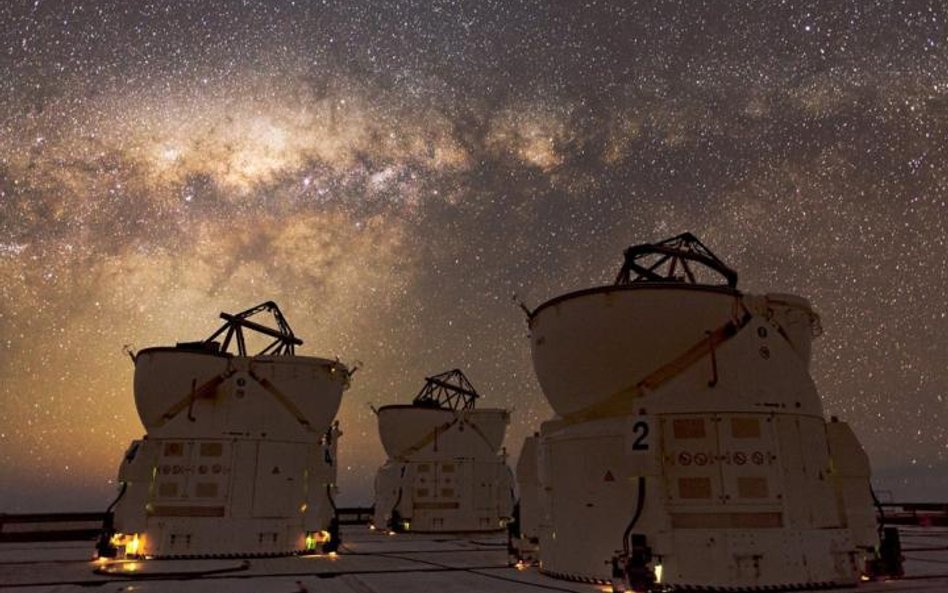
pixel 216 498
pixel 724 500
pixel 445 495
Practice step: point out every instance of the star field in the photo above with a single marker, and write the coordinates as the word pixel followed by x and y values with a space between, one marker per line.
pixel 392 173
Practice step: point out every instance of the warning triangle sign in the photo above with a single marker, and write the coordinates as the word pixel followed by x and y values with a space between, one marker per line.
pixel 608 477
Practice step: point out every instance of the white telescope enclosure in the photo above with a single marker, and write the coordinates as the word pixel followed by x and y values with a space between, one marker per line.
pixel 445 469
pixel 239 455
pixel 689 447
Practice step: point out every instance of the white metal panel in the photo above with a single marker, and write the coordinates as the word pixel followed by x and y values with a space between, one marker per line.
pixel 210 475
pixel 243 477
pixel 804 459
pixel 821 494
pixel 749 465
pixel 592 496
pixel 485 487
pixel 690 451
pixel 851 477
pixel 528 482
pixel 279 485
pixel 138 471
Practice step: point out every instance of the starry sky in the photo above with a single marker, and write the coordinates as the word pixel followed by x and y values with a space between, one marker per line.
pixel 393 173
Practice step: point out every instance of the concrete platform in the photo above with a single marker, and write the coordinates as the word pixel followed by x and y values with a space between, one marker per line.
pixel 368 562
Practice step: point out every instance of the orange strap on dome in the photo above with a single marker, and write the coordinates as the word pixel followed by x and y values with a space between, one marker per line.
pixel 621 402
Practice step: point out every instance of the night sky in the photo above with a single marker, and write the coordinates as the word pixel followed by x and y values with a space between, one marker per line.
pixel 392 173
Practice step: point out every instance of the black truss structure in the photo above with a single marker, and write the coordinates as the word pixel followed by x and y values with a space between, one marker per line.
pixel 678 259
pixel 284 341
pixel 450 390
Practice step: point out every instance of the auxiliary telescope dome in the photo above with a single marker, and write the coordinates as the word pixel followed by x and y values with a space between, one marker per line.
pixel 445 470
pixel 445 398
pixel 689 448
pixel 239 457
pixel 592 343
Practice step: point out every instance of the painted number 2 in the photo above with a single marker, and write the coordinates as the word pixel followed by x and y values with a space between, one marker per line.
pixel 640 429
